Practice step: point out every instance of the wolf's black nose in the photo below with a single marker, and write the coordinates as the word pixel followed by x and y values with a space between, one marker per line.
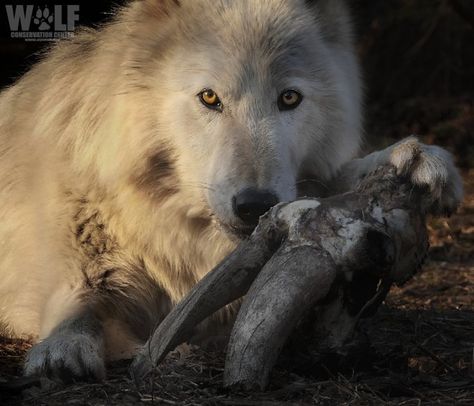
pixel 250 204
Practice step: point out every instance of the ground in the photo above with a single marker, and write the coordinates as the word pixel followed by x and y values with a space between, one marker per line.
pixel 418 350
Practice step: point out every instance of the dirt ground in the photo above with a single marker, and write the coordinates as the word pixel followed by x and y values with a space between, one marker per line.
pixel 418 350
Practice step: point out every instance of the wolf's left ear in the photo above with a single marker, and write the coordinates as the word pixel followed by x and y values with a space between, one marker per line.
pixel 333 19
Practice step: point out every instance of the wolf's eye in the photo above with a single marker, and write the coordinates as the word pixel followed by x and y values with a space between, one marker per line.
pixel 210 99
pixel 289 99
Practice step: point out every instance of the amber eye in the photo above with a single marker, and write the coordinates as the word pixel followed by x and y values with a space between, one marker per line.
pixel 289 99
pixel 210 99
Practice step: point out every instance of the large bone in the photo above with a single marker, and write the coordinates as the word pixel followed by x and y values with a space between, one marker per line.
pixel 294 279
pixel 227 282
pixel 378 230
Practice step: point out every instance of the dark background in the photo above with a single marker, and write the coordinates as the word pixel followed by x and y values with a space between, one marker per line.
pixel 417 56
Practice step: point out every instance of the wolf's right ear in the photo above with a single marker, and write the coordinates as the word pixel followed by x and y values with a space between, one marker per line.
pixel 333 19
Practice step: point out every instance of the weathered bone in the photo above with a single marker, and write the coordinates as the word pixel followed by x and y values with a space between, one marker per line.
pixel 227 282
pixel 294 279
pixel 378 230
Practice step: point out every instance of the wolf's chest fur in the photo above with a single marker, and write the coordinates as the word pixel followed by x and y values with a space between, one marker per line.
pixel 90 233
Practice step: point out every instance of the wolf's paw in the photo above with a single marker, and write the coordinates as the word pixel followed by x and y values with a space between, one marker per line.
pixel 67 357
pixel 431 167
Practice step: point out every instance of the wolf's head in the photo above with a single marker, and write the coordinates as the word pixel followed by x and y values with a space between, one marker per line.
pixel 249 100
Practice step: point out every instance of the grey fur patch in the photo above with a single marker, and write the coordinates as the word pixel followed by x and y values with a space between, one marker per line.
pixel 159 179
pixel 86 323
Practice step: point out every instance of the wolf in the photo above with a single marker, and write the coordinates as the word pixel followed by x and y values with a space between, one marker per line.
pixel 134 157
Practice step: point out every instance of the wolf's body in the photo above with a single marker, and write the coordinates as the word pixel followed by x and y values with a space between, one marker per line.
pixel 117 182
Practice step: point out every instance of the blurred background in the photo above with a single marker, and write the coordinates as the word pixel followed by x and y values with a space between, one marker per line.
pixel 417 56
pixel 418 60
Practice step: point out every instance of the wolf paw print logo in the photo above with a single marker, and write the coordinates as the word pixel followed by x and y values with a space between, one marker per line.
pixel 47 23
pixel 43 19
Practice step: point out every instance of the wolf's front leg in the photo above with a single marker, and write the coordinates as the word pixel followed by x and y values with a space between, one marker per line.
pixel 73 350
pixel 427 166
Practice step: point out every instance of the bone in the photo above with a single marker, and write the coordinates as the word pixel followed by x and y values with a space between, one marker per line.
pixel 227 282
pixel 292 282
pixel 304 247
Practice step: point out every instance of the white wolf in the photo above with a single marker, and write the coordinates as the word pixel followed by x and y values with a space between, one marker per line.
pixel 133 157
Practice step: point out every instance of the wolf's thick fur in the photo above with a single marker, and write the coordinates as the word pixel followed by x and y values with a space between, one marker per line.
pixel 117 182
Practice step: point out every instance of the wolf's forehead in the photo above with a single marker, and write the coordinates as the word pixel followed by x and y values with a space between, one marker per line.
pixel 268 26
pixel 249 73
pixel 254 40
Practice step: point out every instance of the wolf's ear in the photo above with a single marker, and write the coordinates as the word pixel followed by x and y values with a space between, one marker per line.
pixel 333 19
